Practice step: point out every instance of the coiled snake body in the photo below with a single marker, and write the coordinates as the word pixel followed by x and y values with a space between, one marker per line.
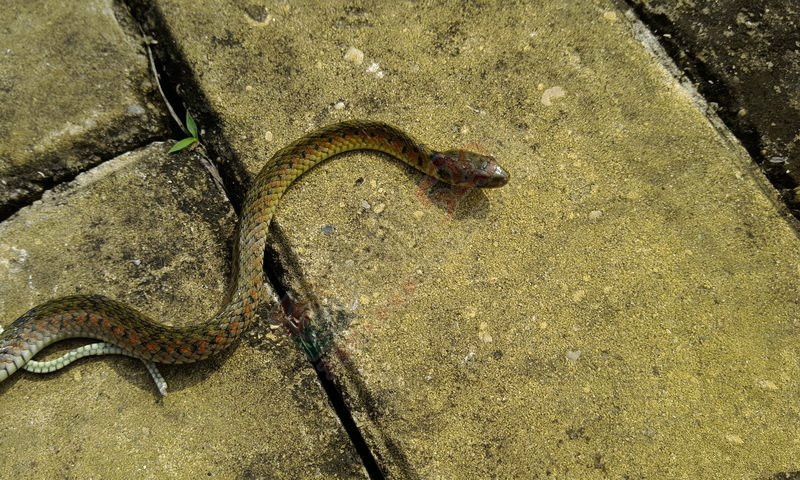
pixel 125 330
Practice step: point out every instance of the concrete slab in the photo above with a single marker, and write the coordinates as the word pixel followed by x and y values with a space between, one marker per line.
pixel 75 89
pixel 153 230
pixel 744 57
pixel 626 307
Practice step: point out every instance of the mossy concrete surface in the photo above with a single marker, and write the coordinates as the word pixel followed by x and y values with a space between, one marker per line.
pixel 153 230
pixel 75 89
pixel 627 306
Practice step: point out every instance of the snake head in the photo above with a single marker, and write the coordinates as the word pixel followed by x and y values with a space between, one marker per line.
pixel 470 169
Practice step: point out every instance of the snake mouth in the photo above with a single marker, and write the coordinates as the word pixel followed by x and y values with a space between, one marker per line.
pixel 496 178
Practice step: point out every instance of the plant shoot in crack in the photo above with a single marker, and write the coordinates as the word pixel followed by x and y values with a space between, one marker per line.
pixel 190 141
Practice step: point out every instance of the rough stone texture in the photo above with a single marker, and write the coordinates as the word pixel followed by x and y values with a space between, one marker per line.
pixel 153 230
pixel 75 89
pixel 745 57
pixel 626 306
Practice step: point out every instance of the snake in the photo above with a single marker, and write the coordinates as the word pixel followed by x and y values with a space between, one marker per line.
pixel 122 329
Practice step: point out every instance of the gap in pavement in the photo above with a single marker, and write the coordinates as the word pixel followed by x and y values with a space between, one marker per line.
pixel 179 85
pixel 58 172
pixel 49 182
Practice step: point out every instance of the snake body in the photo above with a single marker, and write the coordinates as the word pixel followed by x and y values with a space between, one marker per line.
pixel 125 330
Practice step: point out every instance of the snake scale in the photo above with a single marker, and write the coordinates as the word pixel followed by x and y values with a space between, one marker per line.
pixel 123 329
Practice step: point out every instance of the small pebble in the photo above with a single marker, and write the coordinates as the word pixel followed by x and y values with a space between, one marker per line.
pixel 136 109
pixel 573 355
pixel 338 105
pixel 469 357
pixel 268 136
pixel 365 205
pixel 767 385
pixel 376 69
pixel 380 207
pixel 354 56
pixel 327 229
pixel 734 439
pixel 578 295
pixel 552 93
pixel 483 333
pixel 595 214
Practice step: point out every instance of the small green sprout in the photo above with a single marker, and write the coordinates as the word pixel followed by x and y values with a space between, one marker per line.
pixel 188 141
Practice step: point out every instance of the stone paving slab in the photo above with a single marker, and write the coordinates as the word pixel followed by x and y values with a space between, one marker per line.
pixel 75 89
pixel 153 230
pixel 745 57
pixel 626 306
